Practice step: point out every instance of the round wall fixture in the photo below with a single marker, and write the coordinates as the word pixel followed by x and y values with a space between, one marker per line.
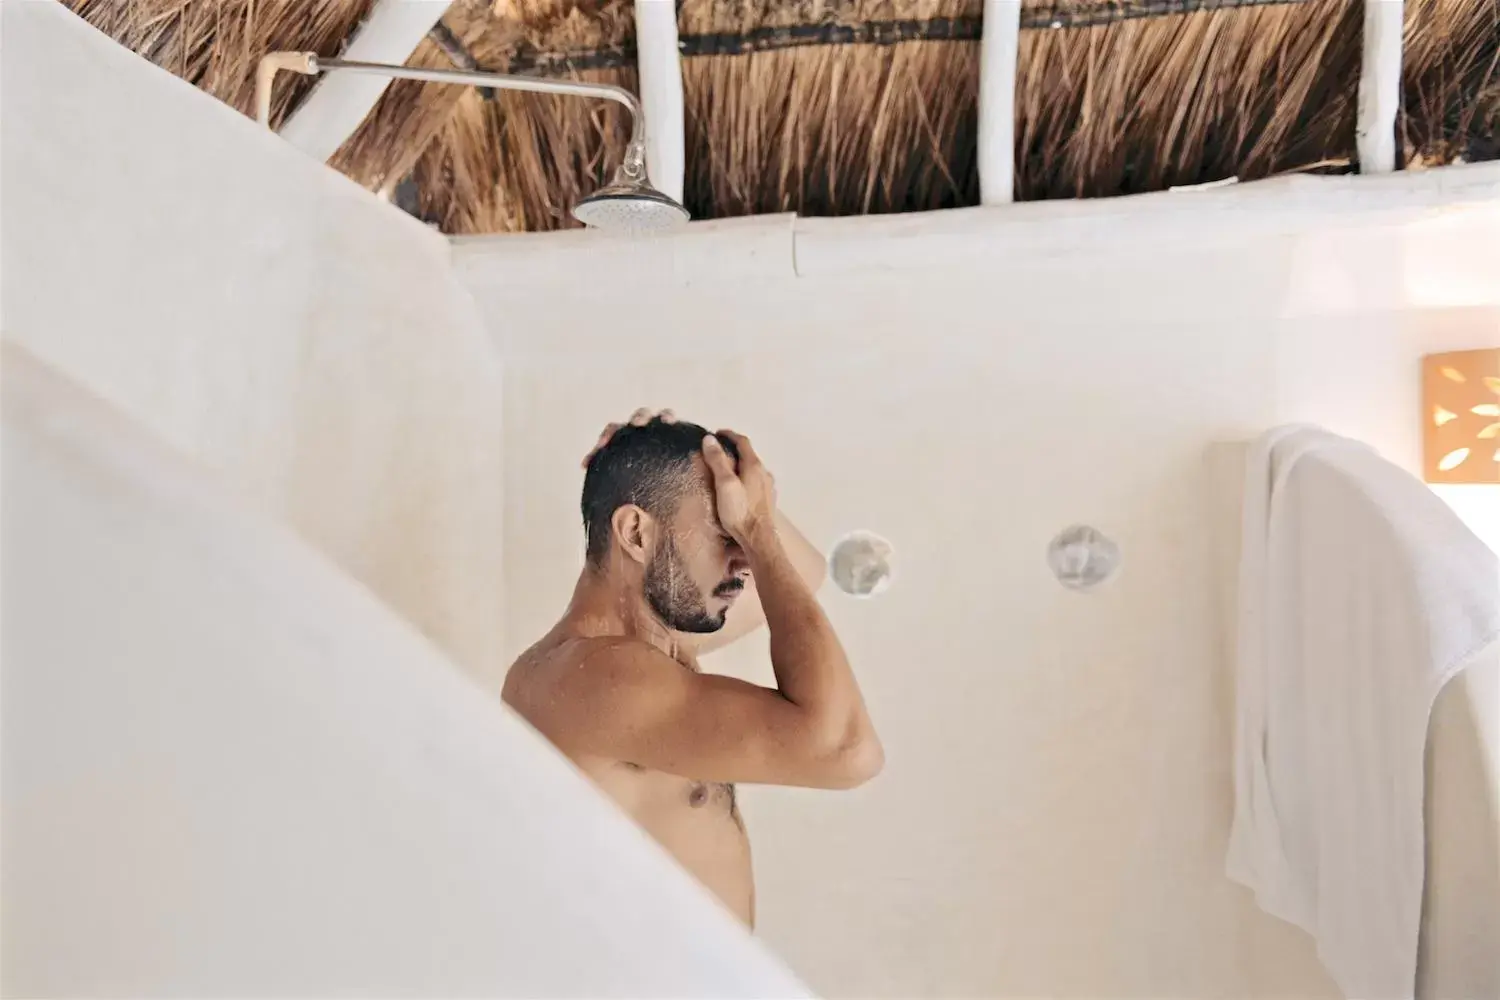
pixel 1082 557
pixel 860 564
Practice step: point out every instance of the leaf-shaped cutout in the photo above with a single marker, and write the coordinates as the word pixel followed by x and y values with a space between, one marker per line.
pixel 1485 433
pixel 1487 410
pixel 1453 460
pixel 1453 374
pixel 1493 383
pixel 1441 416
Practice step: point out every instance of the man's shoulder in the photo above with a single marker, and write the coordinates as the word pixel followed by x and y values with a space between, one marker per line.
pixel 614 657
pixel 571 661
pixel 560 686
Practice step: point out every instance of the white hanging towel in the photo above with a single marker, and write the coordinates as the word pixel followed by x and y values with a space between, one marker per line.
pixel 1361 595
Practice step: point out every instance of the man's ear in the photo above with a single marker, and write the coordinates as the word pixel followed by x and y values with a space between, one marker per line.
pixel 634 531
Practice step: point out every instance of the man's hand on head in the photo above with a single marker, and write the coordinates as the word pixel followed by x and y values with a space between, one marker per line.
pixel 639 418
pixel 744 493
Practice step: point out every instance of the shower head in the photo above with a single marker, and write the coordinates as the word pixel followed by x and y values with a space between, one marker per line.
pixel 629 204
pixel 634 208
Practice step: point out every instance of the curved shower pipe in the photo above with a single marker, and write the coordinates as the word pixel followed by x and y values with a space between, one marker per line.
pixel 311 64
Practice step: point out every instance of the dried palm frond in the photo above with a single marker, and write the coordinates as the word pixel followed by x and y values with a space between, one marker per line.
pixel 1144 104
pixel 1451 81
pixel 503 37
pixel 521 161
pixel 775 123
pixel 409 114
pixel 216 45
pixel 511 160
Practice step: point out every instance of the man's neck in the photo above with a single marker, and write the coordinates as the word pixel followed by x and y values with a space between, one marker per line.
pixel 602 606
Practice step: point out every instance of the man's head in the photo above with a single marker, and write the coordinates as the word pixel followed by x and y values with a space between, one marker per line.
pixel 648 507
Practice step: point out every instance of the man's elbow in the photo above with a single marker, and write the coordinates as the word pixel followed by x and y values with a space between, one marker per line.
pixel 840 754
pixel 858 760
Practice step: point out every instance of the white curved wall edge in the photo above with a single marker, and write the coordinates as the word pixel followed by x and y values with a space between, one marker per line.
pixel 1461 899
pixel 1458 956
pixel 228 769
pixel 757 246
pixel 262 313
pixel 982 238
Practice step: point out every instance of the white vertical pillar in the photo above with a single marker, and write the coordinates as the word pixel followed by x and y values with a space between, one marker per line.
pixel 1380 86
pixel 660 69
pixel 340 101
pixel 998 44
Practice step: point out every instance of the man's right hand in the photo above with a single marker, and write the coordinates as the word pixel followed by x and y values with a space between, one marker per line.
pixel 745 496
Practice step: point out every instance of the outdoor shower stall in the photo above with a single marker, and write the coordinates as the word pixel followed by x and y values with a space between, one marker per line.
pixel 290 477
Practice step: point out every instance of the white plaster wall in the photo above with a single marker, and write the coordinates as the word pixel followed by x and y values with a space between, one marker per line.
pixel 298 337
pixel 1053 815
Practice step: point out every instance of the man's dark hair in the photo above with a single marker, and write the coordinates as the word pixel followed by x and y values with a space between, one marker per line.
pixel 649 466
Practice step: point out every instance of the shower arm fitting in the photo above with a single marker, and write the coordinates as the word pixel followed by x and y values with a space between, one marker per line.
pixel 633 167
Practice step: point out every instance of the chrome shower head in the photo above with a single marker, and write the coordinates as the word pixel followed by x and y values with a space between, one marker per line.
pixel 629 204
pixel 635 208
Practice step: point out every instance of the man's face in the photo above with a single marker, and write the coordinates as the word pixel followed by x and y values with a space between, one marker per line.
pixel 697 570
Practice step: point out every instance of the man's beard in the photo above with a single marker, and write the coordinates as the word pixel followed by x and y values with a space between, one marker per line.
pixel 670 592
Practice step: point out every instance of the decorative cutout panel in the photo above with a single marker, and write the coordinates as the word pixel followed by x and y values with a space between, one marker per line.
pixel 1461 417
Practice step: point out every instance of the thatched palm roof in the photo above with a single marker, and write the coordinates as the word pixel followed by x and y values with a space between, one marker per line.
pixel 830 107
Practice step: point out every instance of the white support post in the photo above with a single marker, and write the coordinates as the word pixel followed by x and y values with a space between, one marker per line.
pixel 1380 86
pixel 998 44
pixel 340 102
pixel 660 68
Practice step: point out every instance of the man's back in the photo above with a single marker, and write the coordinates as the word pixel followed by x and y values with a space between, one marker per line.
pixel 697 822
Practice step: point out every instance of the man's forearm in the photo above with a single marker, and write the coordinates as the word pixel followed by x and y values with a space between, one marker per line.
pixel 812 670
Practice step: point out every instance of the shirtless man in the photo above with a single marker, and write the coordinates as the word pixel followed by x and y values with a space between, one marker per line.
pixel 687 552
